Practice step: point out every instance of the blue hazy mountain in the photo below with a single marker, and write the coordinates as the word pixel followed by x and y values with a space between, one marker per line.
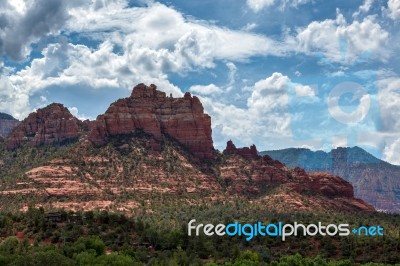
pixel 7 124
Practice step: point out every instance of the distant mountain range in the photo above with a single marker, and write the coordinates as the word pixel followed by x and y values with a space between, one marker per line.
pixel 375 181
pixel 7 124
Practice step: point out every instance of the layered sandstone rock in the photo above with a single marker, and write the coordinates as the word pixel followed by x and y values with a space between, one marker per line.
pixel 151 111
pixel 7 124
pixel 53 124
pixel 330 185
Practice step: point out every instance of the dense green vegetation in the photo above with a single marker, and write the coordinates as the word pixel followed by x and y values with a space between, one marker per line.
pixel 160 237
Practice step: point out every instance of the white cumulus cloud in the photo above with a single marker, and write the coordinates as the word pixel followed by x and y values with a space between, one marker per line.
pixel 264 117
pixel 337 38
pixel 364 8
pixel 389 103
pixel 391 153
pixel 206 90
pixel 394 9
pixel 258 5
pixel 136 44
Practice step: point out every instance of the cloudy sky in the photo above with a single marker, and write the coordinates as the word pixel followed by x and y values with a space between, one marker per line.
pixel 288 73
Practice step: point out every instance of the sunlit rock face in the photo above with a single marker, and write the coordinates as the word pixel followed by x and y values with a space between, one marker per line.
pixel 53 124
pixel 150 110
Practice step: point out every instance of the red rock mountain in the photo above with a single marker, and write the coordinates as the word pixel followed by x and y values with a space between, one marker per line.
pixel 50 125
pixel 7 124
pixel 126 168
pixel 153 112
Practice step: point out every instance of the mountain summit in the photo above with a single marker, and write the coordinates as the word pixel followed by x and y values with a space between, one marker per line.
pixel 53 124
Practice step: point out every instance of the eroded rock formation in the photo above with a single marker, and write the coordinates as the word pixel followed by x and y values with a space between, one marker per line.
pixel 153 112
pixel 53 124
pixel 249 153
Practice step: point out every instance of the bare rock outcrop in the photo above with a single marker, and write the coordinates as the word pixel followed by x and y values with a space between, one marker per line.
pixel 53 124
pixel 248 153
pixel 153 112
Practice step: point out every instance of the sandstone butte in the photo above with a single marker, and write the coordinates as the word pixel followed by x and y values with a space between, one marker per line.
pixel 53 124
pixel 153 112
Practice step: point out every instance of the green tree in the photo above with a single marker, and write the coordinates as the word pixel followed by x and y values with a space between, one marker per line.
pixel 91 242
pixel 9 246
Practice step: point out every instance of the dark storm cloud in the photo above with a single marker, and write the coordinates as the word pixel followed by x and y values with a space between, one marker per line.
pixel 19 31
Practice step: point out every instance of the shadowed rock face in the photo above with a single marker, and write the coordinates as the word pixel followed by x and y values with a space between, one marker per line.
pixel 153 112
pixel 7 124
pixel 257 173
pixel 249 153
pixel 50 125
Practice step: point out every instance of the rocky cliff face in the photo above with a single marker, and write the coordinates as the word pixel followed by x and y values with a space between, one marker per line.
pixel 258 174
pixel 53 124
pixel 375 181
pixel 7 124
pixel 153 112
